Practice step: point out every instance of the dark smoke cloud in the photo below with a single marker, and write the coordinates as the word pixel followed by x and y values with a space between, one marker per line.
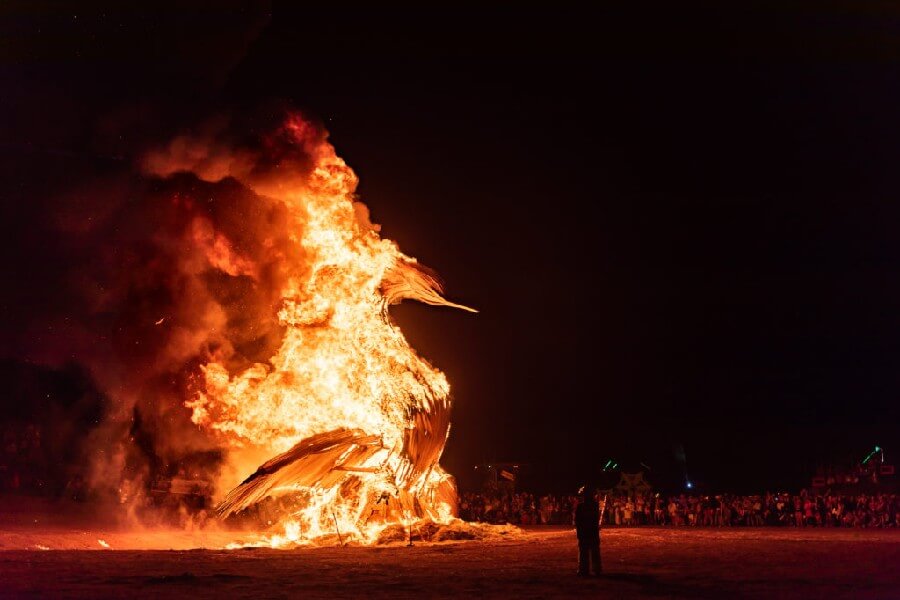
pixel 161 267
pixel 125 279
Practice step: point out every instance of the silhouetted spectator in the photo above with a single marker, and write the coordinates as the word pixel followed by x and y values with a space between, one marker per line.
pixel 587 528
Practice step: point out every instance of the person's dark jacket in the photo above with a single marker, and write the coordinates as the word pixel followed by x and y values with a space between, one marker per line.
pixel 587 520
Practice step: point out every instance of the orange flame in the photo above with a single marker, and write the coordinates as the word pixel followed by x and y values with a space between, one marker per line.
pixel 359 419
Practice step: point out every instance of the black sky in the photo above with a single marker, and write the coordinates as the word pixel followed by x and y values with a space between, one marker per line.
pixel 679 223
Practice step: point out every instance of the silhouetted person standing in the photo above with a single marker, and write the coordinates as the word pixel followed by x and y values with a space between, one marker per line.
pixel 587 526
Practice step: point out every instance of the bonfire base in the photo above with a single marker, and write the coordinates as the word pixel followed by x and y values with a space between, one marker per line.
pixel 457 530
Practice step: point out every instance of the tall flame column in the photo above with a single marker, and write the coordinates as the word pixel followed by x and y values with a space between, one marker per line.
pixel 358 420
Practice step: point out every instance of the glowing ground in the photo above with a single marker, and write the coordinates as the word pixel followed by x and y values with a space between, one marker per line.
pixel 639 563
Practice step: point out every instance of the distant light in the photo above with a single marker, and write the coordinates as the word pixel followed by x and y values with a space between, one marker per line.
pixel 877 449
pixel 689 485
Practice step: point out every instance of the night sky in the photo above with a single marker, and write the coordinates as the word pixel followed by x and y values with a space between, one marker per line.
pixel 680 225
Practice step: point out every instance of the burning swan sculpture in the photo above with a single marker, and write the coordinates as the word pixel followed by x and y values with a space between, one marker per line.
pixel 356 419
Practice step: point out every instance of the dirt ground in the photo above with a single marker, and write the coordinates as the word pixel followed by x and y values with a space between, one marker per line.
pixel 540 563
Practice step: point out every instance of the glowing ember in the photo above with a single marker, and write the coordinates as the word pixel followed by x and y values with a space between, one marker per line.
pixel 359 419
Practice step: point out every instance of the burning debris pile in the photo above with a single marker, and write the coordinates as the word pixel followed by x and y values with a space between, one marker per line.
pixel 355 419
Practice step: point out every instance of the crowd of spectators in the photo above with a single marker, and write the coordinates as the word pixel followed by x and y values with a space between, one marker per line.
pixel 806 509
pixel 26 468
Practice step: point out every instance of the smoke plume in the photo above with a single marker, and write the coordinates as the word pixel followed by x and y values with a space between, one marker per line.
pixel 175 263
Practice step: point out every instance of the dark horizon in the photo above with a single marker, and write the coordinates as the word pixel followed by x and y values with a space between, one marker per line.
pixel 678 224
